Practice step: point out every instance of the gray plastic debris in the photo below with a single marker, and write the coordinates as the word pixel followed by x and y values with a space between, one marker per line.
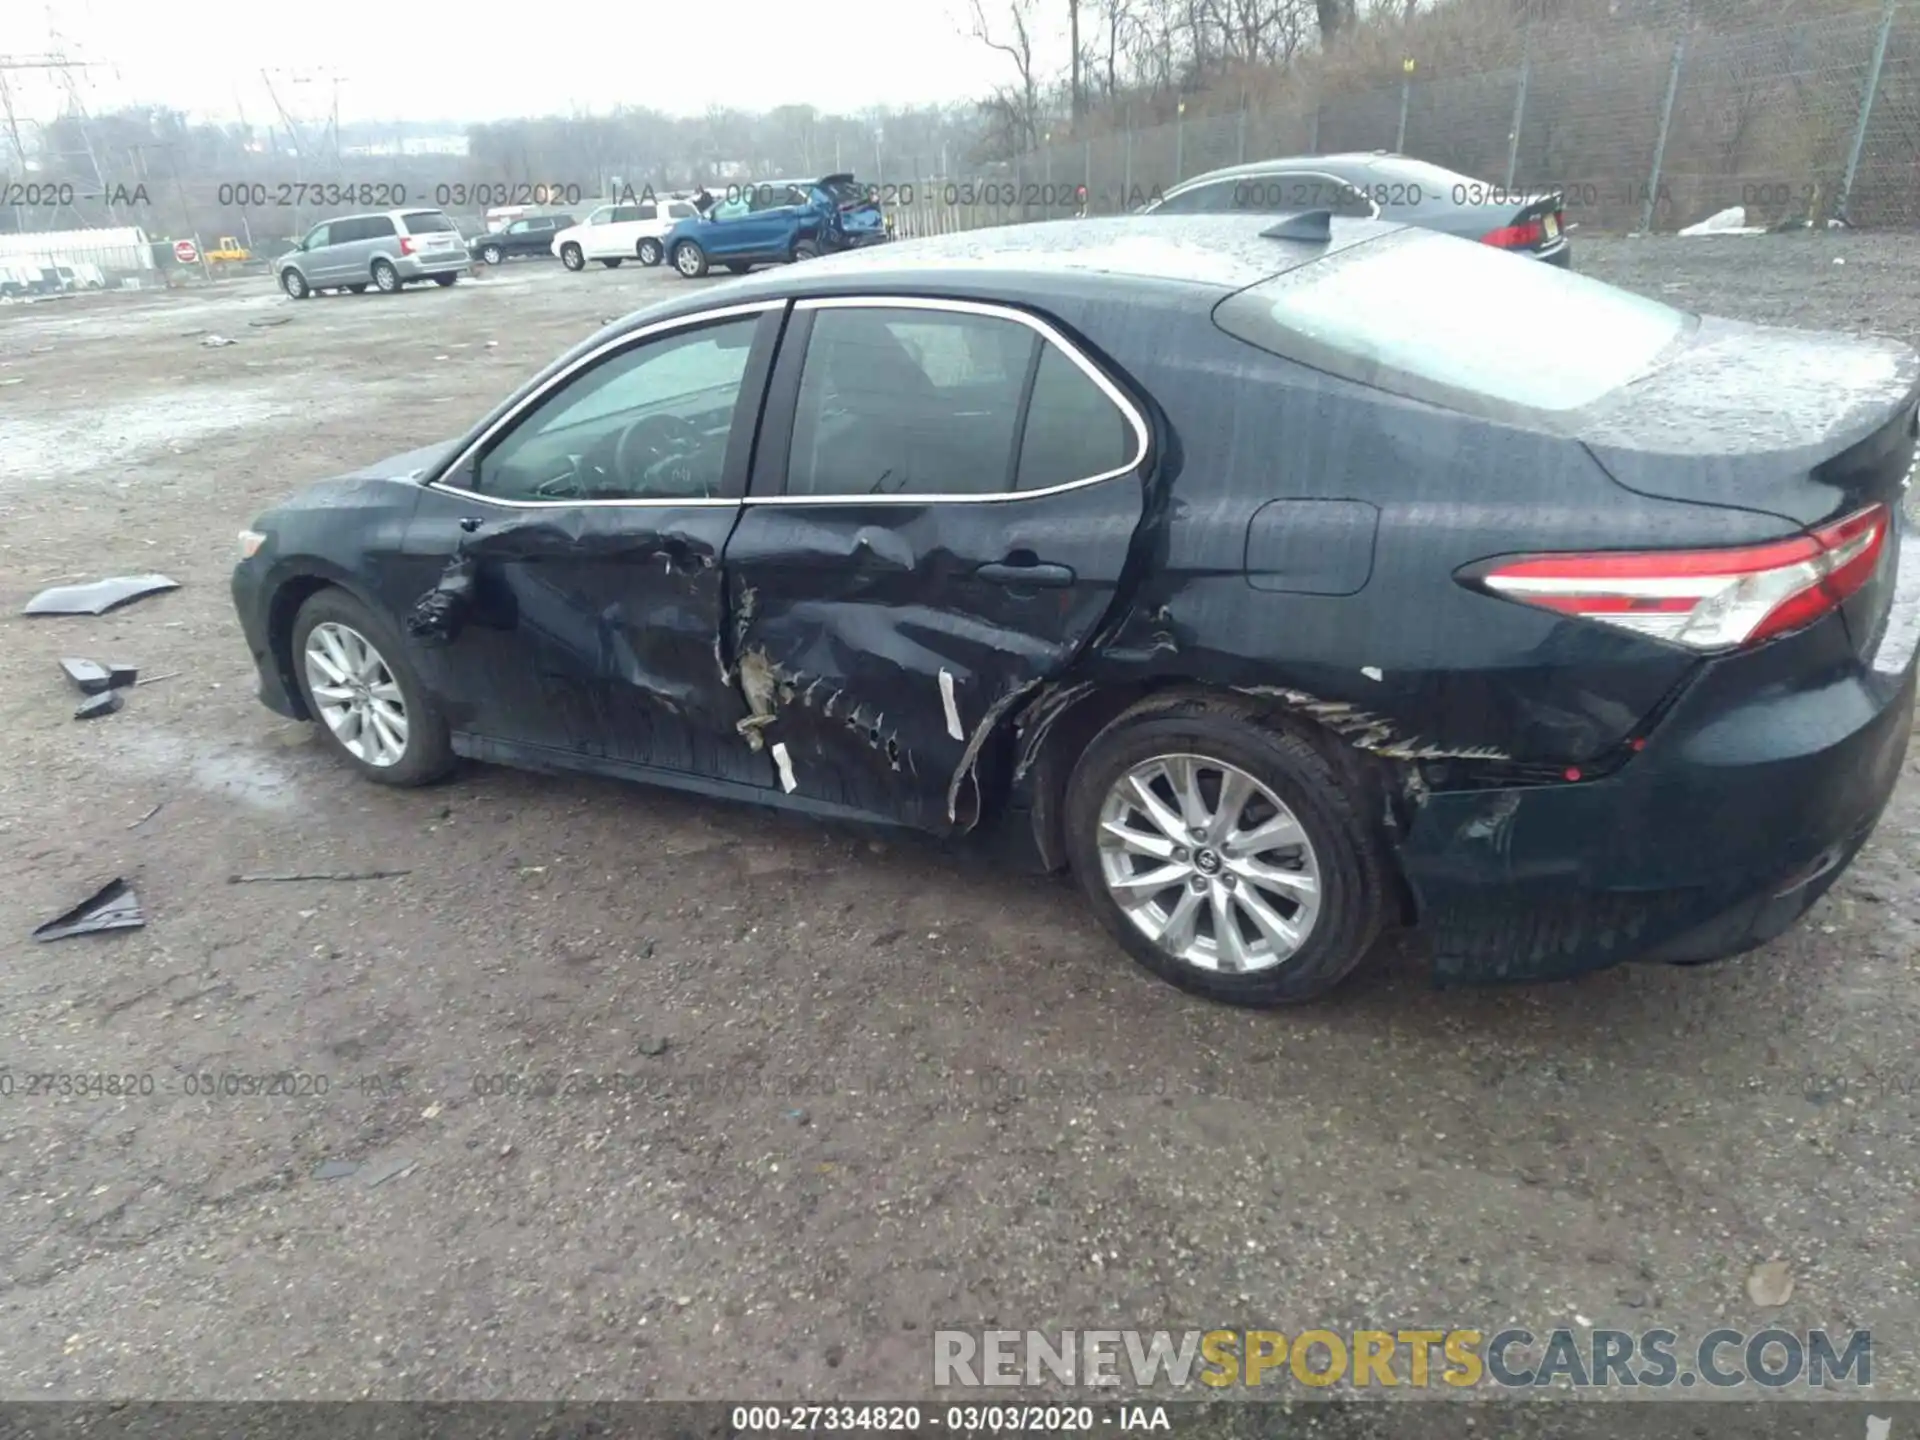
pixel 91 677
pixel 335 1169
pixel 94 706
pixel 389 1170
pixel 98 596
pixel 113 906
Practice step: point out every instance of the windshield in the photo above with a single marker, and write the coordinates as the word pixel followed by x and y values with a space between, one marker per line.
pixel 1458 324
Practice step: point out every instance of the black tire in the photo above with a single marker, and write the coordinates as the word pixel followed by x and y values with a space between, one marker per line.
pixel 386 278
pixel 358 289
pixel 573 257
pixel 1355 898
pixel 615 263
pixel 295 284
pixel 805 250
pixel 493 254
pixel 689 260
pixel 738 267
pixel 648 252
pixel 445 279
pixel 429 753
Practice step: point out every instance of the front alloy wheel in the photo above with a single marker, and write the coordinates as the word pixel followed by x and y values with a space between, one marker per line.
pixel 1209 864
pixel 491 255
pixel 356 694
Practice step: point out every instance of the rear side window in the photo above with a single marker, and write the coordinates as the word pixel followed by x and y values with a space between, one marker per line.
pixel 628 212
pixel 428 222
pixel 1457 324
pixel 846 193
pixel 374 227
pixel 1073 430
pixel 648 210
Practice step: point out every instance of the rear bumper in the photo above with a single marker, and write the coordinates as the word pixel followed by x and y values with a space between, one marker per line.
pixel 1561 254
pixel 419 267
pixel 1747 803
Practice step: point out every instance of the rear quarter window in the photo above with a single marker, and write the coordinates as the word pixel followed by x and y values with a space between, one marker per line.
pixel 1457 324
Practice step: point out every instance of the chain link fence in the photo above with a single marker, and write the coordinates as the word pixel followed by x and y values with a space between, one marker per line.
pixel 1640 128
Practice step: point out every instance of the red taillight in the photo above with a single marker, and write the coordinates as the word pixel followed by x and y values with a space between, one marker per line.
pixel 1515 237
pixel 406 245
pixel 1705 599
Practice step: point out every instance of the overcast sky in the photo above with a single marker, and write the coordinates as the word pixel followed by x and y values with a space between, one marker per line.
pixel 485 63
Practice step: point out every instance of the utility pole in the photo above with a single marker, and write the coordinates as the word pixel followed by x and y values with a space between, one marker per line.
pixel 57 63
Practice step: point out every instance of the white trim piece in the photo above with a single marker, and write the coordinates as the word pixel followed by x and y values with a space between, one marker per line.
pixel 1141 434
pixel 785 762
pixel 953 708
pixel 1901 637
pixel 545 392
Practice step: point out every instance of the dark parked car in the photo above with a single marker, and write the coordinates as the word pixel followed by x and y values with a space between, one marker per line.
pixel 778 222
pixel 529 235
pixel 1250 571
pixel 1387 187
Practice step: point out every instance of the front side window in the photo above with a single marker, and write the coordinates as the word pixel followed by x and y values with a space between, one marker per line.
pixel 1409 313
pixel 897 401
pixel 318 236
pixel 650 423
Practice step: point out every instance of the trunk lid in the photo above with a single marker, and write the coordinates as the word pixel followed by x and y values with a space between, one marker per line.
pixel 1798 424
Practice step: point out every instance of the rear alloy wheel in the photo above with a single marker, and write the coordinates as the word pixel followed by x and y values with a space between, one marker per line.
pixel 492 255
pixel 1225 853
pixel 649 251
pixel 614 263
pixel 358 685
pixel 386 277
pixel 573 257
pixel 690 260
pixel 295 284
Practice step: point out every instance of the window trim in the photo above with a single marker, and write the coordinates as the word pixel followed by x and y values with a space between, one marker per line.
pixel 533 401
pixel 1142 432
pixel 1373 206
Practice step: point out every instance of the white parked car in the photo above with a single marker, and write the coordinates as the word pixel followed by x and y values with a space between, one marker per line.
pixel 613 233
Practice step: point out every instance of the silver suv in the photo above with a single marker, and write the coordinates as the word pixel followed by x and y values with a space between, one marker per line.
pixel 385 250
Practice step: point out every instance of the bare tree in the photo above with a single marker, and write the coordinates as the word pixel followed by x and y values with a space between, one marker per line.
pixel 1013 111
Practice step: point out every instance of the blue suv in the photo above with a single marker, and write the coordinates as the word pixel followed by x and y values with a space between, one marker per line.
pixel 776 223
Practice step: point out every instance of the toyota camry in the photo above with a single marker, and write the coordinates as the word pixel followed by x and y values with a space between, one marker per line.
pixel 1251 570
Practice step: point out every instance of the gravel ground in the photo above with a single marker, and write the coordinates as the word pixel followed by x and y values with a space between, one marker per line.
pixel 830 1091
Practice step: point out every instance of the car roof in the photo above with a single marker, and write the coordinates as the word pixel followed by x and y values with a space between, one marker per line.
pixel 1384 160
pixel 1213 254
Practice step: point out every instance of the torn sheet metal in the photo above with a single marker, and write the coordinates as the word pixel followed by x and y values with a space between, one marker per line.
pixel 1366 731
pixel 98 596
pixel 114 906
pixel 438 617
pixel 965 773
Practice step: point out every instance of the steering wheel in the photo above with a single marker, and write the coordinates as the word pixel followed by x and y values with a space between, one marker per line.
pixel 648 441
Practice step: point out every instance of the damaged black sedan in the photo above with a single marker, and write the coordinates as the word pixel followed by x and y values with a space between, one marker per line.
pixel 1259 573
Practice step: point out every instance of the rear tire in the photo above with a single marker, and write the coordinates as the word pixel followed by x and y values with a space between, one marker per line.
pixel 573 257
pixel 649 252
pixel 358 289
pixel 805 250
pixel 690 260
pixel 738 267
pixel 1323 875
pixel 385 277
pixel 445 279
pixel 615 262
pixel 427 753
pixel 295 284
